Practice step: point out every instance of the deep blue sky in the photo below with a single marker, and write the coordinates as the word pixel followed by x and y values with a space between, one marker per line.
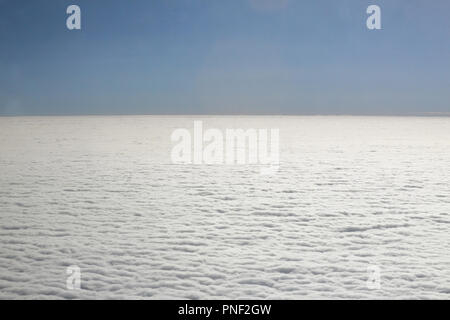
pixel 224 57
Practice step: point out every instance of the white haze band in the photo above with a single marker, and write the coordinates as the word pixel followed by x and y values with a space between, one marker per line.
pixel 229 146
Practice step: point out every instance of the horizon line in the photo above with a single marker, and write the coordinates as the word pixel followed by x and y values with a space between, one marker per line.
pixel 418 114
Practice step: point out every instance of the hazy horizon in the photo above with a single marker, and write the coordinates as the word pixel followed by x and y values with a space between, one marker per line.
pixel 418 114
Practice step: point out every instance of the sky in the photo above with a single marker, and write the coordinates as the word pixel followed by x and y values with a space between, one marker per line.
pixel 224 57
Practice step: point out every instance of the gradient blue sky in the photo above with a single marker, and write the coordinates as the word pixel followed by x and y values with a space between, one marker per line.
pixel 224 57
